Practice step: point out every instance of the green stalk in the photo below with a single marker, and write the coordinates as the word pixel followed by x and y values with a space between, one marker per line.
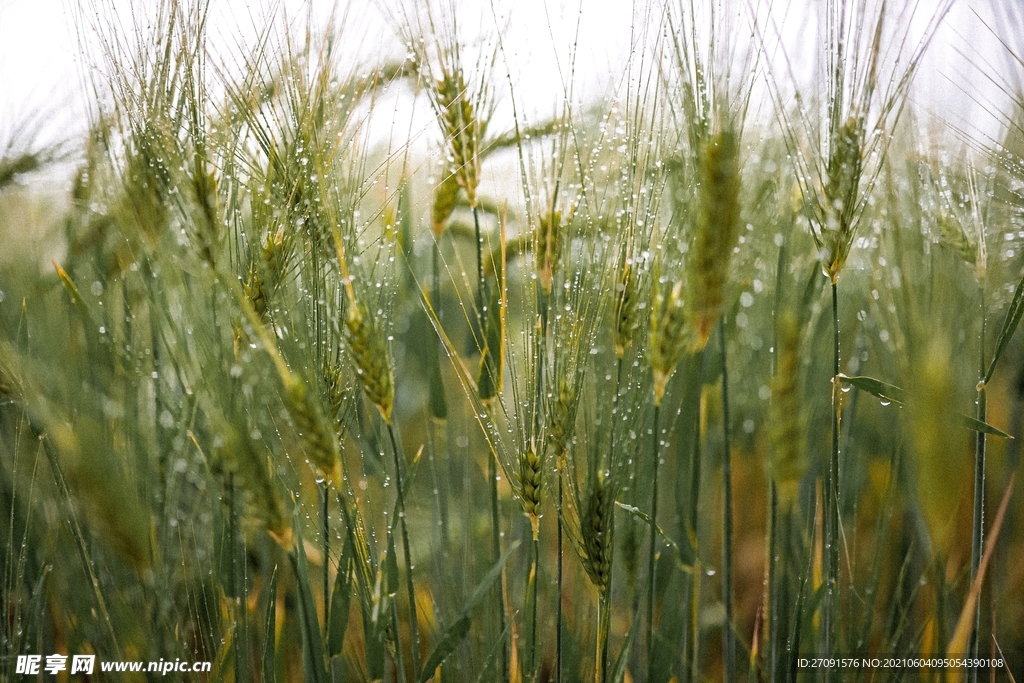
pixel 326 549
pixel 443 483
pixel 534 581
pixel 233 565
pixel 561 578
pixel 399 657
pixel 492 477
pixel 414 629
pixel 604 612
pixel 978 525
pixel 653 540
pixel 728 636
pixel 772 618
pixel 481 290
pixel 541 351
pixel 492 467
pixel 693 595
pixel 830 604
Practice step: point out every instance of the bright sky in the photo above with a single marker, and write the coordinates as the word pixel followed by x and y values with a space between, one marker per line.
pixel 40 62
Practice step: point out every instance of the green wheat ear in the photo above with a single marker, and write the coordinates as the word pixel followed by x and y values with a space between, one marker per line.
pixel 668 335
pixel 549 248
pixel 842 198
pixel 787 461
pixel 719 201
pixel 366 343
pixel 446 198
pixel 318 439
pixel 627 318
pixel 370 356
pixel 597 527
pixel 492 360
pixel 531 483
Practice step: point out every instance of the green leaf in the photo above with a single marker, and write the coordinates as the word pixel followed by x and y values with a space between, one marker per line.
pixel 487 672
pixel 312 640
pixel 391 566
pixel 983 427
pixel 485 585
pixel 373 640
pixel 1013 316
pixel 451 639
pixel 341 597
pixel 812 291
pixel 878 388
pixel 70 286
pixel 458 630
pixel 269 623
pixel 438 401
pixel 893 394
pixel 618 672
pixel 646 519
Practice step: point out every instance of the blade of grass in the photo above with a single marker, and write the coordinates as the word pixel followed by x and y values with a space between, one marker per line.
pixel 341 598
pixel 269 630
pixel 728 636
pixel 898 396
pixel 964 625
pixel 459 629
pixel 315 663
pixel 1010 323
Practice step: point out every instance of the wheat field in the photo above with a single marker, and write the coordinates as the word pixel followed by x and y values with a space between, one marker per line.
pixel 343 364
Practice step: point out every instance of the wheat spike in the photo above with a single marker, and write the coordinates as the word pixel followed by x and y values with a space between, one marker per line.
pixel 667 336
pixel 9 384
pixel 787 462
pixel 318 440
pixel 561 417
pixel 716 231
pixel 366 342
pixel 335 383
pixel 531 480
pixel 256 292
pixel 626 316
pixel 597 531
pixel 845 166
pixel 953 237
pixel 446 197
pixel 370 354
pixel 274 250
pixel 492 360
pixel 549 248
pixel 463 128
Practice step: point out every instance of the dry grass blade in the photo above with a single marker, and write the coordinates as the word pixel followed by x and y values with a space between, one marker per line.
pixel 958 642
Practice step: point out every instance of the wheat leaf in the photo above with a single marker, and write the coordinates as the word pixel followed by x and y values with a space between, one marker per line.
pixel 983 427
pixel 269 622
pixel 893 394
pixel 886 392
pixel 312 641
pixel 341 597
pixel 459 629
pixel 1013 316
